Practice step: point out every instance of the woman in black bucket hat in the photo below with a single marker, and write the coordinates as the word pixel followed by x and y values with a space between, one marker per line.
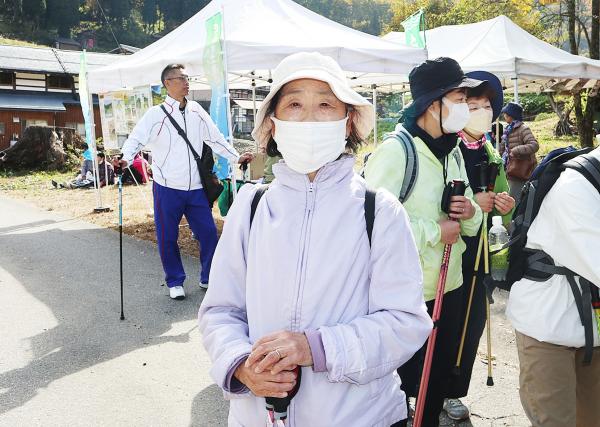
pixel 438 112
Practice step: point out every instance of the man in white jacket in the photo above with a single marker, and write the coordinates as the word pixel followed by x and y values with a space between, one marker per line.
pixel 177 186
pixel 556 387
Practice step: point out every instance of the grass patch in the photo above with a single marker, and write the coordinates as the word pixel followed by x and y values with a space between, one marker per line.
pixel 543 130
pixel 15 42
pixel 32 180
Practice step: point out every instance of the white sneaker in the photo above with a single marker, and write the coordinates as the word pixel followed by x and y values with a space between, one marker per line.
pixel 203 285
pixel 176 292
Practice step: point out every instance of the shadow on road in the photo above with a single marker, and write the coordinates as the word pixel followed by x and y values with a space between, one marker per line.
pixel 75 274
pixel 205 410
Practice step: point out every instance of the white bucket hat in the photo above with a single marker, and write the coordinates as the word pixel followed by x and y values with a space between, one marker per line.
pixel 313 65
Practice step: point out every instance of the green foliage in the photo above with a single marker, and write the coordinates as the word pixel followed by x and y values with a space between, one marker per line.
pixel 453 12
pixel 369 16
pixel 63 15
pixel 532 104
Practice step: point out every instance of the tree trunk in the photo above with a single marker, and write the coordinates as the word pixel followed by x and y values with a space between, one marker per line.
pixel 38 148
pixel 583 117
pixel 563 127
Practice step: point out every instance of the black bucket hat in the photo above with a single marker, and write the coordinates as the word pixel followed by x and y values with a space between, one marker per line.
pixel 495 85
pixel 434 78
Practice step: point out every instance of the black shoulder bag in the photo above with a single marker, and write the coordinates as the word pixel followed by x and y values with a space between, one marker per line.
pixel 210 183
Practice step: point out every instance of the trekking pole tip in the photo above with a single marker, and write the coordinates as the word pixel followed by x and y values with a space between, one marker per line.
pixel 490 381
pixel 456 371
pixel 123 318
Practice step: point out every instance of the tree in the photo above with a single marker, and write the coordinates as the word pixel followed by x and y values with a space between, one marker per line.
pixel 63 15
pixel 34 11
pixel 585 102
pixel 454 12
pixel 149 13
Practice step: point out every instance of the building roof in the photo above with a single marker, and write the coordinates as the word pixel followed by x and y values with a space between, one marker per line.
pixel 38 101
pixel 50 60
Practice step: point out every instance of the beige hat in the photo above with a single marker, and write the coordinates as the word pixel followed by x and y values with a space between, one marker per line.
pixel 313 65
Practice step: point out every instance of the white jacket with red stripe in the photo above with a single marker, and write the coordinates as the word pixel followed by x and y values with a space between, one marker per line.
pixel 173 164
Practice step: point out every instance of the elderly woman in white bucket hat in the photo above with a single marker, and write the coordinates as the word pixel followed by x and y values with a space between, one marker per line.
pixel 311 295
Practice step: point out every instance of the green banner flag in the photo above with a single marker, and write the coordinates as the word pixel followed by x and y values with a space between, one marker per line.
pixel 412 29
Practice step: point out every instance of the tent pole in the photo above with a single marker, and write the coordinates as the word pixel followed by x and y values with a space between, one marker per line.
pixel 99 207
pixel 254 107
pixel 228 99
pixel 374 87
pixel 516 89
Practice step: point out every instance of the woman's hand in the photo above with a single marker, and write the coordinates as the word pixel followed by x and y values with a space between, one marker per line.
pixel 265 384
pixel 280 351
pixel 449 231
pixel 461 208
pixel 485 200
pixel 504 203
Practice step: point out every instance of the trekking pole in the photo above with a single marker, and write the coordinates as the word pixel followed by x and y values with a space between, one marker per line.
pixel 490 378
pixel 468 313
pixel 458 189
pixel 119 173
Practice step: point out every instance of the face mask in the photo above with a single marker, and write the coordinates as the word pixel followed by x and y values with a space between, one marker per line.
pixel 457 117
pixel 307 146
pixel 480 122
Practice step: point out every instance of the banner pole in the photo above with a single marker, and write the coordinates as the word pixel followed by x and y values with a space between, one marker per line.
pixel 227 98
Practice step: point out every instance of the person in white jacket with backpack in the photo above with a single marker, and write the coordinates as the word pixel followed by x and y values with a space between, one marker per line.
pixel 558 386
pixel 307 299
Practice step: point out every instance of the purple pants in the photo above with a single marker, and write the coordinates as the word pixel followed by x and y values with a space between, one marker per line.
pixel 169 207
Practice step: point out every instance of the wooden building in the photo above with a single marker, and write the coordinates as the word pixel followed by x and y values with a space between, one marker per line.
pixel 39 86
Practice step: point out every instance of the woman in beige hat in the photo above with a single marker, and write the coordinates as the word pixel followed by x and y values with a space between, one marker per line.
pixel 315 287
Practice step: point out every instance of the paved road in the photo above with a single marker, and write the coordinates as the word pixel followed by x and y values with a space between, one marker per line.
pixel 67 359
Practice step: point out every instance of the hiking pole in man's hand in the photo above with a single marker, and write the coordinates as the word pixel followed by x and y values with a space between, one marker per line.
pixel 457 188
pixel 119 173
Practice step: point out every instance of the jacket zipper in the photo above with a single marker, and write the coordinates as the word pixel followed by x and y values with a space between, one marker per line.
pixel 310 202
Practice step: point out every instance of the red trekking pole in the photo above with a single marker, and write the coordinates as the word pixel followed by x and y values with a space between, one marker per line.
pixel 457 189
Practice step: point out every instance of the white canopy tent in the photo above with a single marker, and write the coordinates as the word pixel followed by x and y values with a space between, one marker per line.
pixel 502 47
pixel 259 34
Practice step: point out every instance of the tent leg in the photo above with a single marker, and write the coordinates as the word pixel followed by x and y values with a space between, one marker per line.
pixel 516 90
pixel 374 87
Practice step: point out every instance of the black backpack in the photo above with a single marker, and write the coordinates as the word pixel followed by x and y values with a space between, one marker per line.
pixel 536 264
pixel 369 207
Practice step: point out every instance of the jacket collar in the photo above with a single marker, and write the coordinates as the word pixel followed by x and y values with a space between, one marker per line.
pixel 329 175
pixel 173 103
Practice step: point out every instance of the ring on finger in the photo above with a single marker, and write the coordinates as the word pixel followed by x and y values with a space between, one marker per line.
pixel 278 353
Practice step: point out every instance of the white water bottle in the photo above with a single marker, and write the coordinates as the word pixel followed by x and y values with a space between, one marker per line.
pixel 498 237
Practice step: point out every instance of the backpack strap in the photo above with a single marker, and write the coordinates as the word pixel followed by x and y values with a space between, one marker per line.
pixel 411 170
pixel 588 166
pixel 260 191
pixel 541 262
pixel 370 212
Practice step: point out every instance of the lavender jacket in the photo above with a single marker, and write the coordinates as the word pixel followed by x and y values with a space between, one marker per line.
pixel 307 264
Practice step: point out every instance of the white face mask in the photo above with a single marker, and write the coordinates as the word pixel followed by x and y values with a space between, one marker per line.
pixel 480 122
pixel 307 146
pixel 457 117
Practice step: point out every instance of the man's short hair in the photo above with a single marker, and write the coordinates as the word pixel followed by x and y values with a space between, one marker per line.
pixel 168 69
pixel 101 154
